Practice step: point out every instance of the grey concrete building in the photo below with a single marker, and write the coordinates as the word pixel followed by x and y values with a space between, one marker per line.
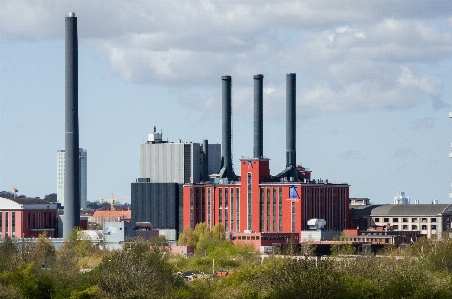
pixel 156 196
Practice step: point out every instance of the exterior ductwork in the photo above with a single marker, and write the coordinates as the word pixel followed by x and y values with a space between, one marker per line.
pixel 258 116
pixel 72 168
pixel 226 168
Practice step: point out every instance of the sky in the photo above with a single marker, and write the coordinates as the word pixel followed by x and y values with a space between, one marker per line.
pixel 373 88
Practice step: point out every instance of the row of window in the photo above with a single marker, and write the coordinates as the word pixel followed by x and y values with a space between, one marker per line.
pixel 413 227
pixel 404 220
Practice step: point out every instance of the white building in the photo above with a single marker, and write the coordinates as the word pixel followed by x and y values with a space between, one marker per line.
pixel 83 177
pixel 401 199
pixel 427 219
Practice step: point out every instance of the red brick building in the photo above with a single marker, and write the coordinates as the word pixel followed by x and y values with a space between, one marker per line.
pixel 27 217
pixel 258 202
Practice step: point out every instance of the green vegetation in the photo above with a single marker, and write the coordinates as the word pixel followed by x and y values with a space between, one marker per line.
pixel 144 269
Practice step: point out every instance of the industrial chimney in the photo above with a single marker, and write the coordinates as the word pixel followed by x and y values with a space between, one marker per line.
pixel 72 168
pixel 258 116
pixel 291 173
pixel 226 167
pixel 291 120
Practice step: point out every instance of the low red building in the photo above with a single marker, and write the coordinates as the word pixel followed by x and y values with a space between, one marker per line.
pixel 27 217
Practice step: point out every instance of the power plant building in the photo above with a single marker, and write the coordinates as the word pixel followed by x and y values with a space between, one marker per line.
pixel 83 162
pixel 257 201
pixel 156 196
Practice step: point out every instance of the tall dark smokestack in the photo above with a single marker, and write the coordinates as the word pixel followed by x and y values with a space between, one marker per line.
pixel 291 173
pixel 291 120
pixel 205 163
pixel 258 116
pixel 226 170
pixel 72 167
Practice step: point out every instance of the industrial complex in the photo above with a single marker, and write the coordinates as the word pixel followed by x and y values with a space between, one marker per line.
pixel 182 184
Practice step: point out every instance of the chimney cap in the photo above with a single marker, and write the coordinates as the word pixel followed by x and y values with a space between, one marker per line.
pixel 258 76
pixel 225 77
pixel 71 14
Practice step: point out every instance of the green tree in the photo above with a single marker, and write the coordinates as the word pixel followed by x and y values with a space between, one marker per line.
pixel 137 272
pixel 43 253
pixel 218 232
pixel 52 197
pixel 185 237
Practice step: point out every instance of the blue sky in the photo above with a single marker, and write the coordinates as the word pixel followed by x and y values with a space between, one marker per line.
pixel 373 88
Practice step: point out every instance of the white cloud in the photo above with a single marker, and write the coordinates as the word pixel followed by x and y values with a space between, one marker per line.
pixel 359 56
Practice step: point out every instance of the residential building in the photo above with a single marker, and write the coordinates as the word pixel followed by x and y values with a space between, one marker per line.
pixel 83 177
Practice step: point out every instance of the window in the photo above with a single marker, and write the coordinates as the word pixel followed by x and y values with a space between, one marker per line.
pixel 424 227
pixel 385 219
pixel 376 220
pixel 395 227
pixel 6 223
pixel 404 219
pixel 433 227
pixel 395 220
pixel 405 227
pixel 13 223
pixel 433 220
pixel 413 219
pixel 414 227
pixel 424 220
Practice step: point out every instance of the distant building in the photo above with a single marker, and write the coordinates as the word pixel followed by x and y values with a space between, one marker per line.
pixel 100 216
pixel 429 219
pixel 83 177
pixel 359 202
pixel 401 199
pixel 156 196
pixel 27 217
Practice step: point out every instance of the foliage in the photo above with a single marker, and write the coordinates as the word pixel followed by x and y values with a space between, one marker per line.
pixel 341 246
pixel 52 197
pixel 143 269
pixel 137 272
pixel 7 194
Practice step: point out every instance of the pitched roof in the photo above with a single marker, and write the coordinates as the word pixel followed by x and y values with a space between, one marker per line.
pixel 28 201
pixel 412 210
